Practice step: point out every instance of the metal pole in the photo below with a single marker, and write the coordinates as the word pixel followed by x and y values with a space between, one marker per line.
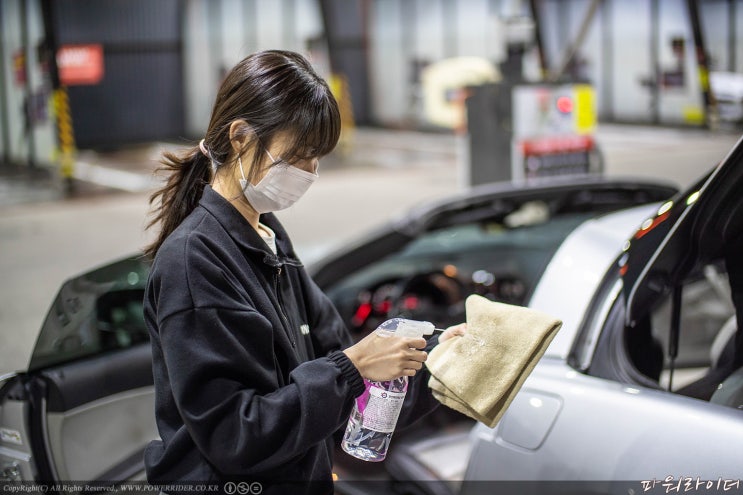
pixel 214 35
pixel 407 16
pixel 536 16
pixel 710 106
pixel 29 127
pixel 250 26
pixel 732 28
pixel 65 134
pixel 655 60
pixel 348 49
pixel 577 42
pixel 449 25
pixel 289 16
pixel 607 61
pixel 4 94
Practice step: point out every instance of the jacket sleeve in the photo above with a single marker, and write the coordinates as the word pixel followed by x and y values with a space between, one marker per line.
pixel 223 378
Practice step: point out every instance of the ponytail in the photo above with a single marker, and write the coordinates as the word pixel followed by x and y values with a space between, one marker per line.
pixel 188 174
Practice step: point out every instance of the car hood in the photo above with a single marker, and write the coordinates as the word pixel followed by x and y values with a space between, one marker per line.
pixel 695 226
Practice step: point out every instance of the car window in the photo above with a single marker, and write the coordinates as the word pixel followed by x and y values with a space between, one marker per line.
pixel 707 313
pixel 641 354
pixel 96 312
pixel 431 276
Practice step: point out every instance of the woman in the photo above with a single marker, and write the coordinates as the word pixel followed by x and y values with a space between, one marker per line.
pixel 254 370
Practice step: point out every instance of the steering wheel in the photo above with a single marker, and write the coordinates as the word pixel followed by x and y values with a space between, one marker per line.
pixel 433 297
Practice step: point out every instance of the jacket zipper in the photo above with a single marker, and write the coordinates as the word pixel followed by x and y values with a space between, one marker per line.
pixel 287 326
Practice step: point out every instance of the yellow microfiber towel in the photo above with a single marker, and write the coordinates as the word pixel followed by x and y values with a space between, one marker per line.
pixel 479 373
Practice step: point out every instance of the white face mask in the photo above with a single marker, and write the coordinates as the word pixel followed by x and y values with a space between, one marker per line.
pixel 280 188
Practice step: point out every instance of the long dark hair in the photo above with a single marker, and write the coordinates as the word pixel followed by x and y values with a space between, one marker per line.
pixel 272 91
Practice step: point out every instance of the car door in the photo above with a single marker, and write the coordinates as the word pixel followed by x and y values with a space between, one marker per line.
pixel 607 421
pixel 649 396
pixel 84 409
pixel 602 422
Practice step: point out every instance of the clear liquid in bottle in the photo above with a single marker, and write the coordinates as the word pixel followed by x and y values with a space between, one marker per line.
pixel 375 412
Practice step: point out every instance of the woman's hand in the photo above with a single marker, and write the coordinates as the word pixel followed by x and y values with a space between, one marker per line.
pixel 382 356
pixel 453 331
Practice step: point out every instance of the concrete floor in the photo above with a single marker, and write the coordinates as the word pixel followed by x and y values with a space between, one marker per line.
pixel 46 237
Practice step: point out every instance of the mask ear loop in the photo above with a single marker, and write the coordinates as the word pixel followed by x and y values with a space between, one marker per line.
pixel 273 160
pixel 242 174
pixel 240 163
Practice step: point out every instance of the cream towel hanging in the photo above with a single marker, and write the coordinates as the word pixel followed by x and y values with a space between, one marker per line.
pixel 479 373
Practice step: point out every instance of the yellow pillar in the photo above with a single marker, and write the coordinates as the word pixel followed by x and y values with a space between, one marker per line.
pixel 65 133
pixel 339 87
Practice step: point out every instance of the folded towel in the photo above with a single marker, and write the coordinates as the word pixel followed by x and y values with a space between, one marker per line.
pixel 479 373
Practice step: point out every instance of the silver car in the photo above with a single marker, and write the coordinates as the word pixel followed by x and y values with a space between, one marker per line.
pixel 641 391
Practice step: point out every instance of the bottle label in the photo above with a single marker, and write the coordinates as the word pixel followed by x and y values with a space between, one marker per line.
pixel 380 408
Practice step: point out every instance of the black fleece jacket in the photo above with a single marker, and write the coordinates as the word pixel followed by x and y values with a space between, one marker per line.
pixel 250 380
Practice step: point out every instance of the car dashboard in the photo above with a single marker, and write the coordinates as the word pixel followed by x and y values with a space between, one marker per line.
pixel 430 277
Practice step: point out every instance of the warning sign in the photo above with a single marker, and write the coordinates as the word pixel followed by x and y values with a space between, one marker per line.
pixel 553 127
pixel 80 64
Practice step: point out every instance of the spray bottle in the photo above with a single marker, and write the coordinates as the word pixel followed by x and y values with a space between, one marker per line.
pixel 375 412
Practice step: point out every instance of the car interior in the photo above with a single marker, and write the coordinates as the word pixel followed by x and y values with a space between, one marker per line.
pixel 708 325
pixel 495 245
pixel 726 348
pixel 90 378
pixel 686 339
pixel 430 278
pixel 698 360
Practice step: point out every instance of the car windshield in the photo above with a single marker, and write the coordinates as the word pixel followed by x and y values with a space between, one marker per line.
pixel 430 277
pixel 96 312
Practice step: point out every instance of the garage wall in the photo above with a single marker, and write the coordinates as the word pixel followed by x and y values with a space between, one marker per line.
pixel 26 127
pixel 219 33
pixel 630 53
pixel 406 36
pixel 624 54
pixel 140 96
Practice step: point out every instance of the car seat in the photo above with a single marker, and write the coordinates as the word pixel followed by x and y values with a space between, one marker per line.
pixel 722 354
pixel 727 348
pixel 730 392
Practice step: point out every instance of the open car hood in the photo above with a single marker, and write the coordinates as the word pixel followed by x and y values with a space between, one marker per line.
pixel 698 225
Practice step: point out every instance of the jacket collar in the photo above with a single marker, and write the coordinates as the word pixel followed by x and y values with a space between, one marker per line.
pixel 244 234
